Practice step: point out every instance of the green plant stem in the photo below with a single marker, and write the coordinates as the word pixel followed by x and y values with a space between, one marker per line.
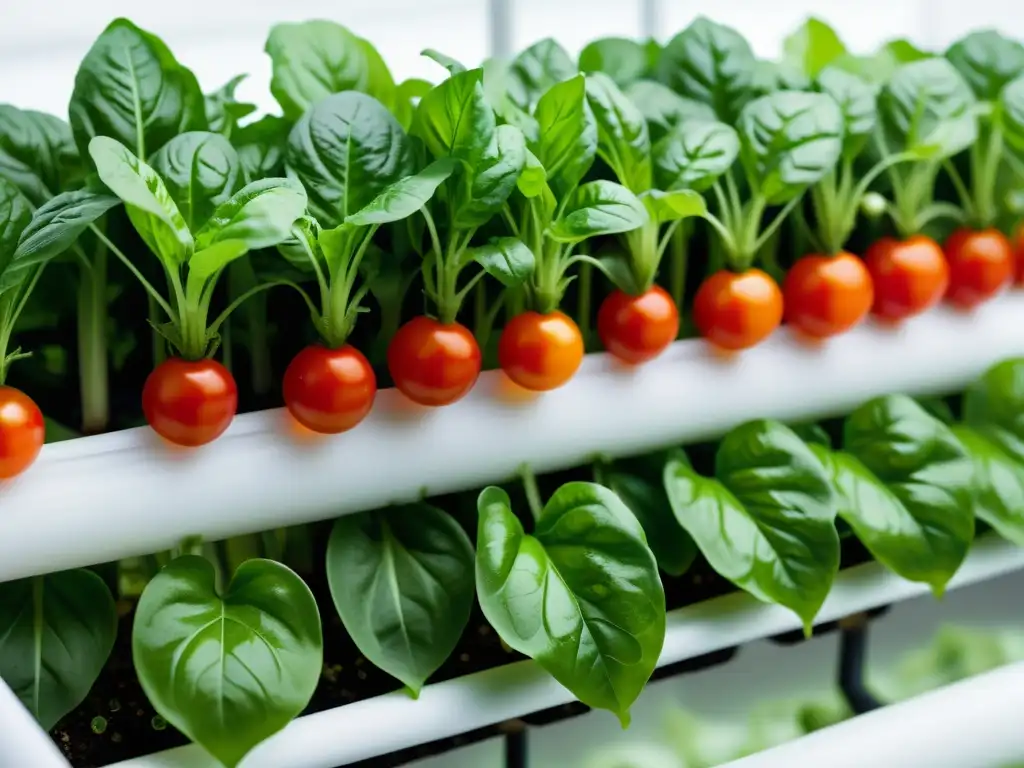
pixel 584 287
pixel 678 264
pixel 532 492
pixel 93 374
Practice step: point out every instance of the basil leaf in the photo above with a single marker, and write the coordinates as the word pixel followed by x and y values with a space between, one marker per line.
pixel 710 63
pixel 261 147
pixel 994 406
pixel 534 71
pixel 581 596
pixel 505 258
pixel 858 102
pixel 694 155
pixel 598 208
pixel 622 138
pixel 489 184
pixel 149 204
pixel 454 119
pixel 988 61
pixel 924 466
pixel 131 88
pixel 261 215
pixel 402 582
pixel 315 59
pixel 663 108
pixel 37 152
pixel 15 215
pixel 568 135
pixel 223 110
pixel 621 59
pixel 999 484
pixel 404 197
pixel 672 206
pixel 56 633
pixel 766 521
pixel 200 170
pixel 227 669
pixel 813 47
pixel 345 151
pixel 789 141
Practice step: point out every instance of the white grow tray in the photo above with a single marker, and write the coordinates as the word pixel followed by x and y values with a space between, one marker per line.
pixel 102 498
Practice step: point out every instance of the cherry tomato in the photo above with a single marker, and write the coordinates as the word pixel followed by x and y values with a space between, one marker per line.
pixel 189 402
pixel 21 432
pixel 737 310
pixel 1018 254
pixel 980 266
pixel 433 363
pixel 827 295
pixel 910 276
pixel 329 390
pixel 540 352
pixel 636 329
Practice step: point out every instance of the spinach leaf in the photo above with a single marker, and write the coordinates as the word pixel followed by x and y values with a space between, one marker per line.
pixel 261 146
pixel 598 208
pixel 988 61
pixel 581 596
pixel 227 669
pixel 766 521
pixel 56 633
pixel 663 108
pixel 200 170
pixel 261 215
pixel 453 66
pixel 623 141
pixel 999 484
pixel 131 88
pixel 37 152
pixel 994 406
pixel 534 71
pixel 813 47
pixel 771 76
pixel 858 102
pixel 454 119
pixel 694 155
pixel 672 206
pixel 223 110
pixel 490 183
pixel 568 135
pixel 15 215
pixel 1011 114
pixel 402 582
pixel 507 259
pixel 621 59
pixel 404 197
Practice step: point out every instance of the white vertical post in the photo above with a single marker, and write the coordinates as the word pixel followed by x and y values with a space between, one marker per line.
pixel 650 19
pixel 23 744
pixel 499 19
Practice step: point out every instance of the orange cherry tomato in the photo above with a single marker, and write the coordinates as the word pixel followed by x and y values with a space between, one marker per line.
pixel 1018 254
pixel 910 276
pixel 827 295
pixel 433 363
pixel 190 402
pixel 22 432
pixel 329 390
pixel 540 352
pixel 636 329
pixel 737 310
pixel 980 266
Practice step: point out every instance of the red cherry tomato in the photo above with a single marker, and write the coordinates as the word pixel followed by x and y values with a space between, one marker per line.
pixel 636 329
pixel 21 432
pixel 433 363
pixel 190 402
pixel 827 295
pixel 737 310
pixel 910 276
pixel 540 352
pixel 1018 254
pixel 329 390
pixel 980 266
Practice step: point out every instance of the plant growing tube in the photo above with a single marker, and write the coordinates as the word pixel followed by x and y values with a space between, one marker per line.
pixel 190 399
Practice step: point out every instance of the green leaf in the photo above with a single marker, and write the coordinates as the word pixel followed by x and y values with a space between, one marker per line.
pixel 505 258
pixel 402 582
pixel 925 468
pixel 581 596
pixel 37 152
pixel 404 197
pixel 315 59
pixel 407 97
pixel 227 669
pixel 261 215
pixel 994 406
pixel 534 178
pixel 771 76
pixel 223 110
pixel 813 47
pixel 568 135
pixel 534 71
pixel 455 120
pixel 149 204
pixel 54 228
pixel 346 150
pixel 712 64
pixel 988 61
pixel 766 522
pixel 694 155
pixel 999 484
pixel 789 141
pixel 56 633
pixel 671 206
pixel 200 170
pixel 1011 113
pixel 622 59
pixel 858 102
pixel 213 258
pixel 131 88
pixel 15 215
pixel 488 186
pixel 663 108
pixel 622 138
pixel 598 208
pixel 453 66
pixel 261 146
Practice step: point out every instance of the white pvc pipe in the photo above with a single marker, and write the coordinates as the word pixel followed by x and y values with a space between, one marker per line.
pixel 974 723
pixel 368 728
pixel 23 744
pixel 98 499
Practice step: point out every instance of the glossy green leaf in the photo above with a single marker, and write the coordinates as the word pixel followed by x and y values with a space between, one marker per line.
pixel 131 88
pixel 858 101
pixel 925 468
pixel 407 96
pixel 672 206
pixel 37 152
pixel 56 633
pixel 623 141
pixel 534 178
pixel 598 208
pixel 789 141
pixel 227 669
pixel 766 521
pixel 505 258
pixel 15 215
pixel 404 197
pixel 454 66
pixel 402 582
pixel 694 155
pixel 813 47
pixel 998 483
pixel 568 135
pixel 1011 113
pixel 988 61
pixel 621 59
pixel 261 215
pixel 261 146
pixel 149 204
pixel 455 120
pixel 346 150
pixel 488 185
pixel 211 259
pixel 312 60
pixel 712 64
pixel 663 108
pixel 200 170
pixel 535 70
pixel 581 596
pixel 994 406
pixel 224 110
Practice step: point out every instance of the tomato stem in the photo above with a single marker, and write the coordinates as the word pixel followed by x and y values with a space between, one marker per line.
pixel 532 492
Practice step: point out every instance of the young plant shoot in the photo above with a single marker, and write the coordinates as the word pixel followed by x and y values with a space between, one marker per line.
pixel 190 399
